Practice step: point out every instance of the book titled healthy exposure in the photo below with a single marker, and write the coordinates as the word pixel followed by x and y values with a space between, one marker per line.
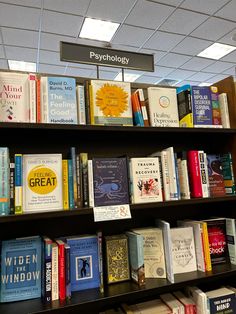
pixel 42 182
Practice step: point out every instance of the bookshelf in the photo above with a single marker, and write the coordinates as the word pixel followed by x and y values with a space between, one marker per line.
pixel 116 141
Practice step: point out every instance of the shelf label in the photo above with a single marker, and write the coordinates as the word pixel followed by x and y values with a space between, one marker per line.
pixel 72 52
pixel 114 212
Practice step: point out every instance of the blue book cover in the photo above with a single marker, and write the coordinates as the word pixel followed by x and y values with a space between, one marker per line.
pixel 202 108
pixel 20 269
pixel 59 99
pixel 47 270
pixel 84 262
pixel 4 181
pixel 110 181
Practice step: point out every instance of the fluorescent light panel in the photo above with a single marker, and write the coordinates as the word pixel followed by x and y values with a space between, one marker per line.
pixel 98 29
pixel 128 77
pixel 216 51
pixel 22 66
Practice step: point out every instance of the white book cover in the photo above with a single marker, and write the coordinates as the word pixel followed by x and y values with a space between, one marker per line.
pixel 14 97
pixel 183 250
pixel 163 108
pixel 81 104
pixel 183 179
pixel 154 254
pixel 145 180
pixel 42 182
pixel 199 298
pixel 172 173
pixel 231 239
pixel 224 110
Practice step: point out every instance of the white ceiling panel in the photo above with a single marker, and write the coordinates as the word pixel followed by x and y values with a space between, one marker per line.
pixel 229 39
pixel 157 54
pixel 201 77
pixel 187 82
pixel 230 71
pixel 3 64
pixel 180 74
pixel 217 78
pixel 28 3
pixel 214 28
pixel 21 54
pixel 191 46
pixel 52 42
pixel 106 75
pixel 20 17
pixel 163 41
pixel 218 67
pixel 204 6
pixel 148 14
pixel 231 57
pixel 81 65
pixel 183 22
pixel 111 10
pixel 197 64
pixel 78 72
pixel 228 11
pixel 173 60
pixel 170 2
pixel 148 79
pixel 78 7
pixel 51 57
pixel 48 69
pixel 19 37
pixel 2 54
pixel 62 24
pixel 122 47
pixel 161 71
pixel 131 35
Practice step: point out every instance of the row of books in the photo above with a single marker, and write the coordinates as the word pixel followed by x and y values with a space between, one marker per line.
pixel 45 182
pixel 56 99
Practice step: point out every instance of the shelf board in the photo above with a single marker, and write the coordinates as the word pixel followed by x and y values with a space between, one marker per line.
pixel 93 300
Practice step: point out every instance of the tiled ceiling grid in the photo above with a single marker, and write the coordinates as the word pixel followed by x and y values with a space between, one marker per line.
pixel 174 31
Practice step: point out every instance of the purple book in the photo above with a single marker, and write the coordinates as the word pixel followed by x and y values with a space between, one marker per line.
pixel 202 107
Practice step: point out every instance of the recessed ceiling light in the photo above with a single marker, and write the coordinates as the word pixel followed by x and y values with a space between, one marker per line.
pixel 22 66
pixel 216 51
pixel 205 84
pixel 128 77
pixel 97 29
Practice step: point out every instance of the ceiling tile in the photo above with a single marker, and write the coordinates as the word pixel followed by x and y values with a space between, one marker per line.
pixel 203 6
pixel 29 3
pixel 201 77
pixel 78 72
pixel 62 24
pixel 131 35
pixel 230 71
pixel 52 42
pixel 228 11
pixel 213 29
pixel 183 22
pixel 81 65
pixel 51 69
pixel 78 7
pixel 163 41
pixel 157 54
pixel 148 14
pixel 106 75
pixel 228 38
pixel 51 57
pixel 217 78
pixel 19 37
pixel 161 71
pixel 123 47
pixel 20 17
pixel 148 79
pixel 187 82
pixel 170 2
pixel 21 54
pixel 180 74
pixel 3 64
pixel 197 64
pixel 2 55
pixel 173 60
pixel 231 57
pixel 218 67
pixel 111 10
pixel 191 46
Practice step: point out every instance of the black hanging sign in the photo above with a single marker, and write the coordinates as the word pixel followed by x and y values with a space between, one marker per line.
pixel 72 52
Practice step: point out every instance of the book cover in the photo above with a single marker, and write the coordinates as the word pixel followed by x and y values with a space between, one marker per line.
pixel 231 239
pixel 216 112
pixel 223 102
pixel 182 167
pixel 221 301
pixel 59 100
pixel 117 258
pixel 55 273
pixel 215 174
pixel 110 181
pixel 4 181
pixel 185 106
pixel 42 182
pixel 199 298
pixel 110 103
pixel 18 202
pixel 203 173
pixel 202 107
pixel 143 105
pixel 173 176
pixel 163 108
pixel 61 269
pixel 46 269
pixel 81 104
pixel 145 180
pixel 84 262
pixel 228 173
pixel 20 269
pixel 194 173
pixel 137 113
pixel 14 97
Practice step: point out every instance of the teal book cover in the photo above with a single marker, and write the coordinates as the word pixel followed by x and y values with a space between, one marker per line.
pixel 20 269
pixel 4 181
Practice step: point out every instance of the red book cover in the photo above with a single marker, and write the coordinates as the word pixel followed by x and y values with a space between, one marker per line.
pixel 215 174
pixel 61 269
pixel 194 173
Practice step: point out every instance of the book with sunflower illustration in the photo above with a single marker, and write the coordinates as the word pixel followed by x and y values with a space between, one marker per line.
pixel 110 103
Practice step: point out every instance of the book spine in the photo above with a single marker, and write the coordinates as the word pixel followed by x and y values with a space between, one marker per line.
pixel 172 173
pixel 47 271
pixel 194 174
pixel 143 107
pixel 61 270
pixel 12 187
pixel 70 185
pixel 38 100
pixel 67 271
pixel 223 102
pixel 81 104
pixel 100 256
pixel 87 101
pixel 84 165
pixel 32 97
pixel 79 181
pixel 44 99
pixel 228 173
pixel 137 113
pixel 65 188
pixel 91 104
pixel 216 113
pixel 203 174
pixel 55 280
pixel 74 172
pixel 18 184
pixel 166 175
pixel 206 246
pixel 90 183
pixel 4 181
pixel 231 239
pixel 183 178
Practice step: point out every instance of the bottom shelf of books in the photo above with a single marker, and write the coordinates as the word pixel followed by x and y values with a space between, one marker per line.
pixel 93 301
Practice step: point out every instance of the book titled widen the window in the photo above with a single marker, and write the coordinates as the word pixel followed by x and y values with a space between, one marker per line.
pixel 20 269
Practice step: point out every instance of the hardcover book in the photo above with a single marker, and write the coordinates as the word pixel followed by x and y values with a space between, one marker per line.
pixel 4 181
pixel 84 262
pixel 221 301
pixel 145 180
pixel 110 103
pixel 199 298
pixel 194 173
pixel 20 269
pixel 59 104
pixel 163 108
pixel 42 182
pixel 215 174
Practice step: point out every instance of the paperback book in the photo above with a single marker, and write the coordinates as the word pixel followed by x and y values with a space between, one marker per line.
pixel 4 181
pixel 215 174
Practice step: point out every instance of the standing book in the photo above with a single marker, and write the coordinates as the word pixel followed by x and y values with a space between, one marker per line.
pixel 228 172
pixel 223 102
pixel 4 181
pixel 46 269
pixel 221 301
pixel 20 269
pixel 215 174
pixel 231 239
pixel 185 106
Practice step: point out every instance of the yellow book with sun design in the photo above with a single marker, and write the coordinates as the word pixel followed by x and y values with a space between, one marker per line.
pixel 110 103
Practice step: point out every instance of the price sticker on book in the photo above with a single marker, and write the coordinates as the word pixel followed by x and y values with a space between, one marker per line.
pixel 114 212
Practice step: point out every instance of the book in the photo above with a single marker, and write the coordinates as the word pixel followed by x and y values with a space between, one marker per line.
pixel 223 102
pixel 172 169
pixel 185 109
pixel 65 188
pixel 32 97
pixel 18 204
pixel 143 106
pixel 204 173
pixel 42 182
pixel 136 257
pixel 145 180
pixel 84 173
pixel 110 103
pixel 81 104
pixel 182 167
pixel 117 258
pixel 195 180
pixel 199 298
pixel 221 301
pixel 183 250
pixel 46 269
pixel 67 271
pixel 163 109
pixel 188 303
pixel 147 307
pixel 84 262
pixel 228 172
pixel 59 103
pixel 215 174
pixel 110 181
pixel 4 181
pixel 61 269
pixel 206 246
pixel 12 186
pixel 216 112
pixel 231 239
pixel 55 273
pixel 70 185
pixel 20 269
pixel 137 112
pixel 14 97
pixel 173 303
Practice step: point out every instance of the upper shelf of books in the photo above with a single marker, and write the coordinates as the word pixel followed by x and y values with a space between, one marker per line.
pixel 69 101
